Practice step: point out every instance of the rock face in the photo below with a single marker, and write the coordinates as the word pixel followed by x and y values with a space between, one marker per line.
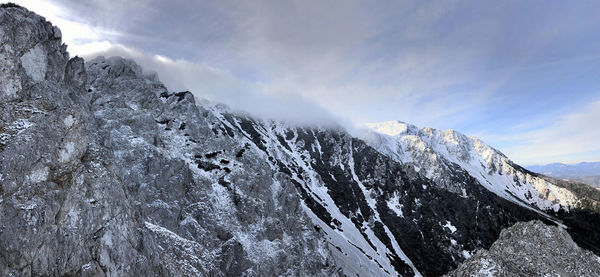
pixel 104 172
pixel 531 249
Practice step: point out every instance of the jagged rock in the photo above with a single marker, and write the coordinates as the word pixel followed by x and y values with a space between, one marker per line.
pixel 531 249
pixel 434 153
pixel 75 75
pixel 91 184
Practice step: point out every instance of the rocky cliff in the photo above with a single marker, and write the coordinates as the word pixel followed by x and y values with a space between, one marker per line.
pixel 104 172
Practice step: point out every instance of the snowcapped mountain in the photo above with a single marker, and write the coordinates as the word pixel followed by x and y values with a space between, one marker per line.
pixel 434 153
pixel 105 172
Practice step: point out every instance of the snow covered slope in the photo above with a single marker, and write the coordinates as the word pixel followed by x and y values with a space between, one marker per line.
pixel 434 152
pixel 379 217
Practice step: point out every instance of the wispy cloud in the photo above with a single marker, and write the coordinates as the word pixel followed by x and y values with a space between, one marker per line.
pixel 571 138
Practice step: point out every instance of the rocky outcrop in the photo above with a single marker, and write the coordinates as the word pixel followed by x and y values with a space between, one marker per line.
pixel 531 249
pixel 103 172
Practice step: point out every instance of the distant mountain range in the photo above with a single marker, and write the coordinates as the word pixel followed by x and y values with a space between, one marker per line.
pixel 586 172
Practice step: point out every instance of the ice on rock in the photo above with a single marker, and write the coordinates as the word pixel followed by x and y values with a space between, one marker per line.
pixel 450 227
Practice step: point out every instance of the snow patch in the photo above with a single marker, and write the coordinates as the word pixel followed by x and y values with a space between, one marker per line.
pixel 68 121
pixel 87 266
pixel 66 153
pixel 450 226
pixel 34 62
pixel 39 175
pixel 466 254
pixel 394 204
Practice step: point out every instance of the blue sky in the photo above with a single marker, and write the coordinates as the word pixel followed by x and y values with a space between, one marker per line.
pixel 524 76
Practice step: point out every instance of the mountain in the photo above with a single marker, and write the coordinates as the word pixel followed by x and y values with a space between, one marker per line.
pixel 435 153
pixel 443 155
pixel 585 172
pixel 531 249
pixel 105 172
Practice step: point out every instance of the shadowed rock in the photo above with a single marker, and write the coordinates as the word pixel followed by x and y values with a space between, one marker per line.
pixel 531 249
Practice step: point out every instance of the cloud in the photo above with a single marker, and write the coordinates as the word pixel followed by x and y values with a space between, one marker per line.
pixel 361 61
pixel 75 33
pixel 221 86
pixel 572 138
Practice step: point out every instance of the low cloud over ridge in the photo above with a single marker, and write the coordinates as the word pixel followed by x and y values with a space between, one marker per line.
pixel 502 71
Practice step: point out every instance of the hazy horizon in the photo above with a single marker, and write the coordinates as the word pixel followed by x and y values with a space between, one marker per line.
pixel 523 77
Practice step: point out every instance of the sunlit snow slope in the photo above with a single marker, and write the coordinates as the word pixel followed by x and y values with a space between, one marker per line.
pixel 432 152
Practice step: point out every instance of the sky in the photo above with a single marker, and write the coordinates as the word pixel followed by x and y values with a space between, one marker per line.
pixel 524 76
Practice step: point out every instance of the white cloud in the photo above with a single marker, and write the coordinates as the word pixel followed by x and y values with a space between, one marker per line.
pixel 572 138
pixel 80 37
pixel 221 86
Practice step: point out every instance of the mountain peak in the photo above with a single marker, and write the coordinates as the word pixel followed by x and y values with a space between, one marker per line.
pixel 32 51
pixel 438 151
pixel 392 128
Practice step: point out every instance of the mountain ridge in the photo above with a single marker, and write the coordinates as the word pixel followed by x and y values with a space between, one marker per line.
pixel 584 172
pixel 104 171
pixel 430 148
